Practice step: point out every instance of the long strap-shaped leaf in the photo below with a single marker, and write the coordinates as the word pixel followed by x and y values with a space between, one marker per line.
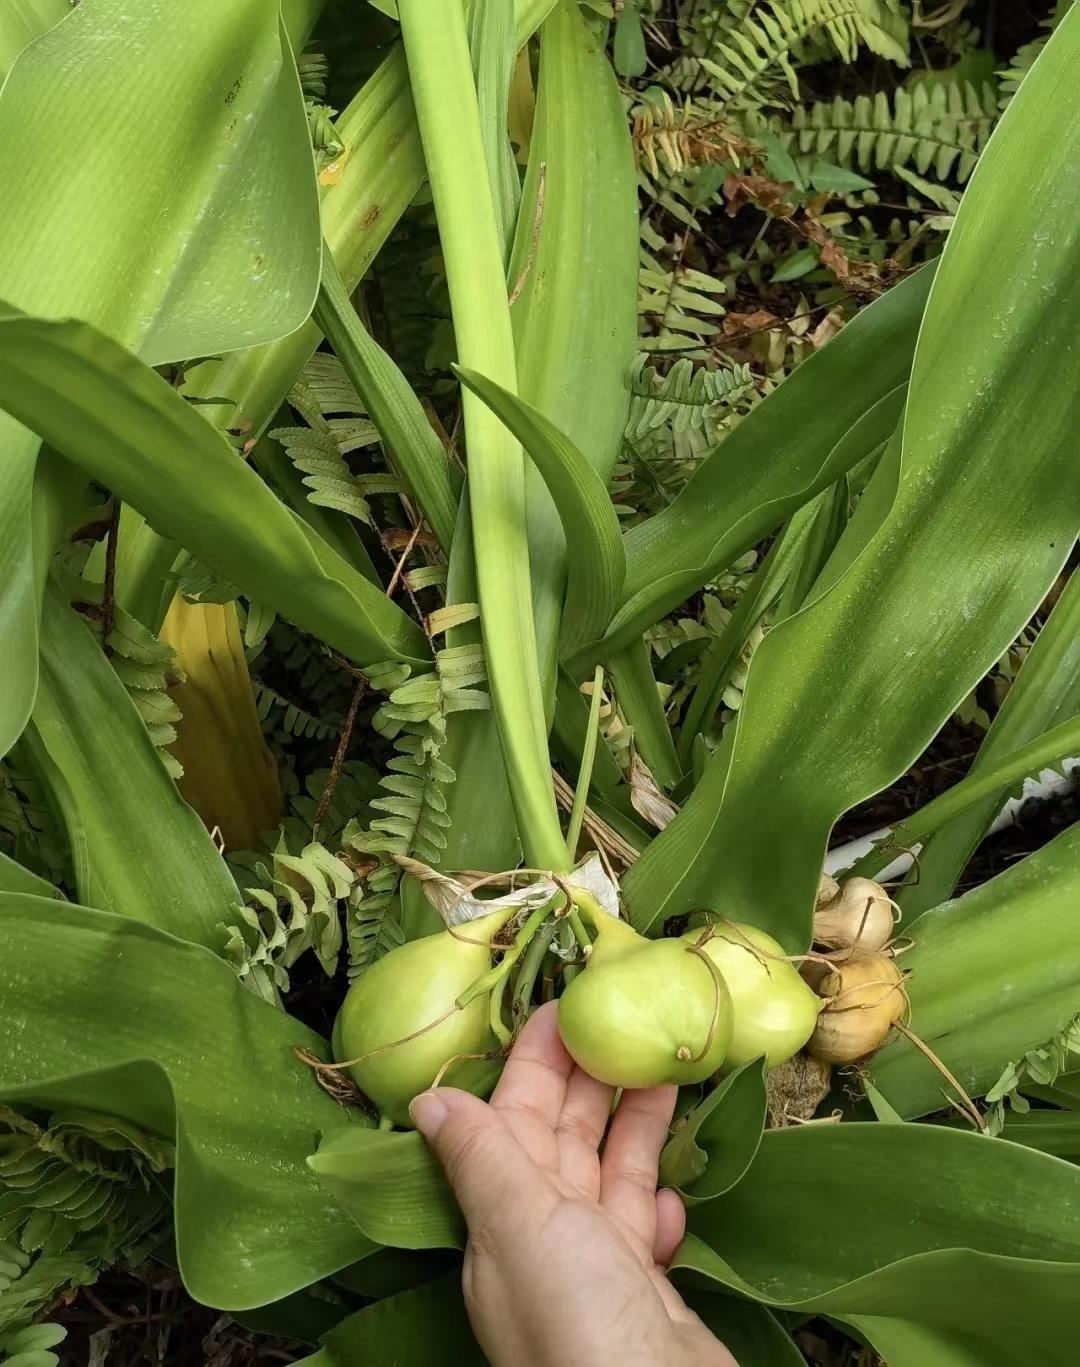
pixel 990 779
pixel 993 974
pixel 441 73
pixel 126 427
pixel 965 1250
pixel 596 562
pixel 395 410
pixel 1047 687
pixel 844 695
pixel 137 847
pixel 104 1013
pixel 775 460
pixel 574 270
pixel 161 258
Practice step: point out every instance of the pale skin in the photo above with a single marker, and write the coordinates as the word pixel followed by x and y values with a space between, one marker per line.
pixel 567 1251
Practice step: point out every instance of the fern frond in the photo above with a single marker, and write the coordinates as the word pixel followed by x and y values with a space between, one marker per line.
pixel 1039 1067
pixel 412 806
pixel 680 306
pixel 686 399
pixel 677 136
pixel 937 128
pixel 318 450
pixel 750 51
pixel 77 1194
pixel 293 719
pixel 295 909
pixel 1018 68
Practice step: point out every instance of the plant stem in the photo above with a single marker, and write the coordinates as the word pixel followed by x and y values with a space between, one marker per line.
pixel 494 976
pixel 639 702
pixel 530 968
pixel 440 71
pixel 588 755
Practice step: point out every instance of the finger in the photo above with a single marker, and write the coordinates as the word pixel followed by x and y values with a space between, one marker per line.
pixel 491 1175
pixel 585 1113
pixel 670 1226
pixel 628 1169
pixel 537 1071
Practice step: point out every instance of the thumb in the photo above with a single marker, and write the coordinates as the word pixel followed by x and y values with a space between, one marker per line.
pixel 485 1165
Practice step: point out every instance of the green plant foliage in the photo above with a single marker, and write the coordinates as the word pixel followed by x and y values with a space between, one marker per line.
pixel 972 1005
pixel 238 1113
pixel 970 1257
pixel 978 416
pixel 78 1193
pixel 937 128
pixel 211 281
pixel 155 451
pixel 749 49
pixel 144 854
pixel 296 910
pixel 413 806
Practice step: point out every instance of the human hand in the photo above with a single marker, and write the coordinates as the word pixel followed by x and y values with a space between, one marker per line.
pixel 565 1261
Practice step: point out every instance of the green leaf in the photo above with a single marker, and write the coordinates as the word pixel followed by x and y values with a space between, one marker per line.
pixel 14 878
pixel 842 697
pixel 449 118
pixel 392 1186
pixel 104 1013
pixel 991 779
pixel 641 706
pixel 630 58
pixel 574 271
pixel 1054 1132
pixel 129 429
pixel 493 50
pixel 228 127
pixel 137 847
pixel 1047 689
pixel 714 1144
pixel 414 448
pixel 21 24
pixel 776 459
pixel 991 975
pixel 414 1329
pixel 941 1247
pixel 595 559
pixel 751 1333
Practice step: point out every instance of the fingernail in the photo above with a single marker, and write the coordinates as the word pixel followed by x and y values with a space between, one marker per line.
pixel 427 1112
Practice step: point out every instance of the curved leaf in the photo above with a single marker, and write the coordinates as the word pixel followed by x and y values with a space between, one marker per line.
pixel 595 559
pixel 752 1334
pixel 108 1014
pixel 942 1247
pixel 138 232
pixel 128 428
pixel 1046 689
pixel 843 696
pixel 392 1186
pixel 137 847
pixel 993 974
pixel 713 1145
pixel 416 451
pixel 416 1328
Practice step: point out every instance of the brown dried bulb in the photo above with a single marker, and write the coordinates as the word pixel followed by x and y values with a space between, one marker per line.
pixel 864 998
pixel 860 916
